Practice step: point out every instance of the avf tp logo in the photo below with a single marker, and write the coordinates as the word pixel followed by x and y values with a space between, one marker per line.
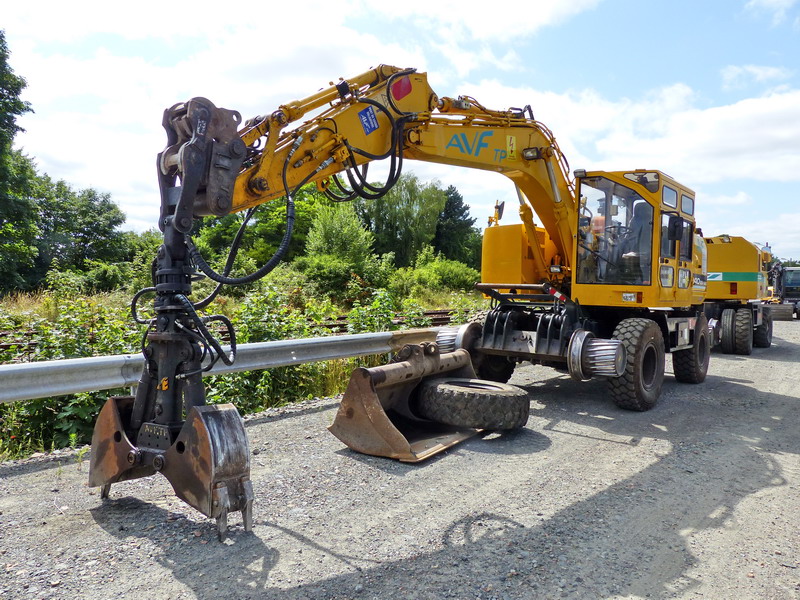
pixel 467 146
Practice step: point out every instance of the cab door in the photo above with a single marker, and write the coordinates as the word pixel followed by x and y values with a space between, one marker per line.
pixel 685 273
pixel 668 253
pixel 667 264
pixel 676 272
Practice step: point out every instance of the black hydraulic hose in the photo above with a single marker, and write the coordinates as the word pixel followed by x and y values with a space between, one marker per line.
pixel 347 194
pixel 201 327
pixel 135 300
pixel 231 332
pixel 389 83
pixel 392 122
pixel 144 339
pixel 235 244
pixel 201 263
pixel 207 351
pixel 362 187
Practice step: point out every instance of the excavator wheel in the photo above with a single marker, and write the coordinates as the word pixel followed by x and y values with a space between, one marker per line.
pixel 691 365
pixel 490 366
pixel 473 403
pixel 762 336
pixel 640 385
pixel 495 368
pixel 728 330
pixel 743 336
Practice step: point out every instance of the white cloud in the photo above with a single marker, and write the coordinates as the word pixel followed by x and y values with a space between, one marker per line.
pixel 753 139
pixel 455 18
pixel 774 227
pixel 778 9
pixel 97 120
pixel 734 77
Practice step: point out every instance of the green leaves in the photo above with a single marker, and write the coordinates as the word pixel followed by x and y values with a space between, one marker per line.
pixel 404 220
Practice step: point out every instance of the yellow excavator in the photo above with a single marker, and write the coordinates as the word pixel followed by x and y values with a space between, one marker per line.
pixel 600 278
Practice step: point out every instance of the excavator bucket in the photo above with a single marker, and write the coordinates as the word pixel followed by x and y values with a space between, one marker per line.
pixel 208 465
pixel 376 414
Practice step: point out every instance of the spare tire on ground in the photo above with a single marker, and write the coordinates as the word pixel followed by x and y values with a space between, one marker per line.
pixel 474 403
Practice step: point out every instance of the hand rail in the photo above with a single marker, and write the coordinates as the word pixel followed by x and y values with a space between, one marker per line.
pixel 45 379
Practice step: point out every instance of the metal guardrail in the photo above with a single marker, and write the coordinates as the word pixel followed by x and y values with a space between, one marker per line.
pixel 26 381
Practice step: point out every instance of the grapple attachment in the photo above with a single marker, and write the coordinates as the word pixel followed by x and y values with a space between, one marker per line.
pixel 376 415
pixel 208 464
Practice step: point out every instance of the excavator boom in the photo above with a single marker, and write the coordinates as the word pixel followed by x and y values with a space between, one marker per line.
pixel 386 114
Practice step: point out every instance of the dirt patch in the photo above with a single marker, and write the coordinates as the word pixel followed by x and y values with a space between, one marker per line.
pixel 698 497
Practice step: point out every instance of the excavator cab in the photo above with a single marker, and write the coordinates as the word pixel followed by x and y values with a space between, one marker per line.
pixel 635 240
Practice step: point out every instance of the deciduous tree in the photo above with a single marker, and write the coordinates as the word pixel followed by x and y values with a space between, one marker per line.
pixel 404 220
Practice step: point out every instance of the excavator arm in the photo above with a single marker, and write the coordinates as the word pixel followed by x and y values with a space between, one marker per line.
pixel 387 114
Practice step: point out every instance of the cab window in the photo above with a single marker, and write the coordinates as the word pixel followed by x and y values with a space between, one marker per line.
pixel 667 245
pixel 686 240
pixel 615 234
pixel 670 197
pixel 687 204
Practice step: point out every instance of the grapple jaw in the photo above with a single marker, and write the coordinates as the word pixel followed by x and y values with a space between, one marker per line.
pixel 376 414
pixel 208 464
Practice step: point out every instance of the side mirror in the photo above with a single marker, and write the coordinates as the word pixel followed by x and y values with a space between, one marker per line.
pixel 675 228
pixel 499 207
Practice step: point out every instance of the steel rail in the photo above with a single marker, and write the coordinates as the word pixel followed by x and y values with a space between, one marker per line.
pixel 45 379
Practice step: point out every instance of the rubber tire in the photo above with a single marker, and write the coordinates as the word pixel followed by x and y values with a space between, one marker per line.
pixel 474 403
pixel 495 368
pixel 728 331
pixel 640 385
pixel 762 336
pixel 743 336
pixel 492 367
pixel 691 365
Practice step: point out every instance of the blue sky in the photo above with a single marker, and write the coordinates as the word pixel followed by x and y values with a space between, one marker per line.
pixel 705 90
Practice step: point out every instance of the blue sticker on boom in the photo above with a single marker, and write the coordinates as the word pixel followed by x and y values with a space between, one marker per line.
pixel 368 120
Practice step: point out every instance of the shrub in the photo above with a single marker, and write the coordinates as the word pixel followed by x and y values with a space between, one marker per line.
pixel 432 273
pixel 375 315
pixel 328 273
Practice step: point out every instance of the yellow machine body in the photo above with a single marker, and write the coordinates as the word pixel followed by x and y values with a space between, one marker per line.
pixel 507 257
pixel 737 269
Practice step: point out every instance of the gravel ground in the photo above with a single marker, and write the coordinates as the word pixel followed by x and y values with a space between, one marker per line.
pixel 697 498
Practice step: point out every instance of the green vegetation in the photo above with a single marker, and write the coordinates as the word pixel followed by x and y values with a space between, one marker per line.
pixel 57 325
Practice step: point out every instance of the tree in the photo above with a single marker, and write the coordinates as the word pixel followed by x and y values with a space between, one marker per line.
pixel 266 230
pixel 17 213
pixel 338 231
pixel 404 220
pixel 456 238
pixel 339 258
pixel 18 224
pixel 76 226
pixel 11 107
